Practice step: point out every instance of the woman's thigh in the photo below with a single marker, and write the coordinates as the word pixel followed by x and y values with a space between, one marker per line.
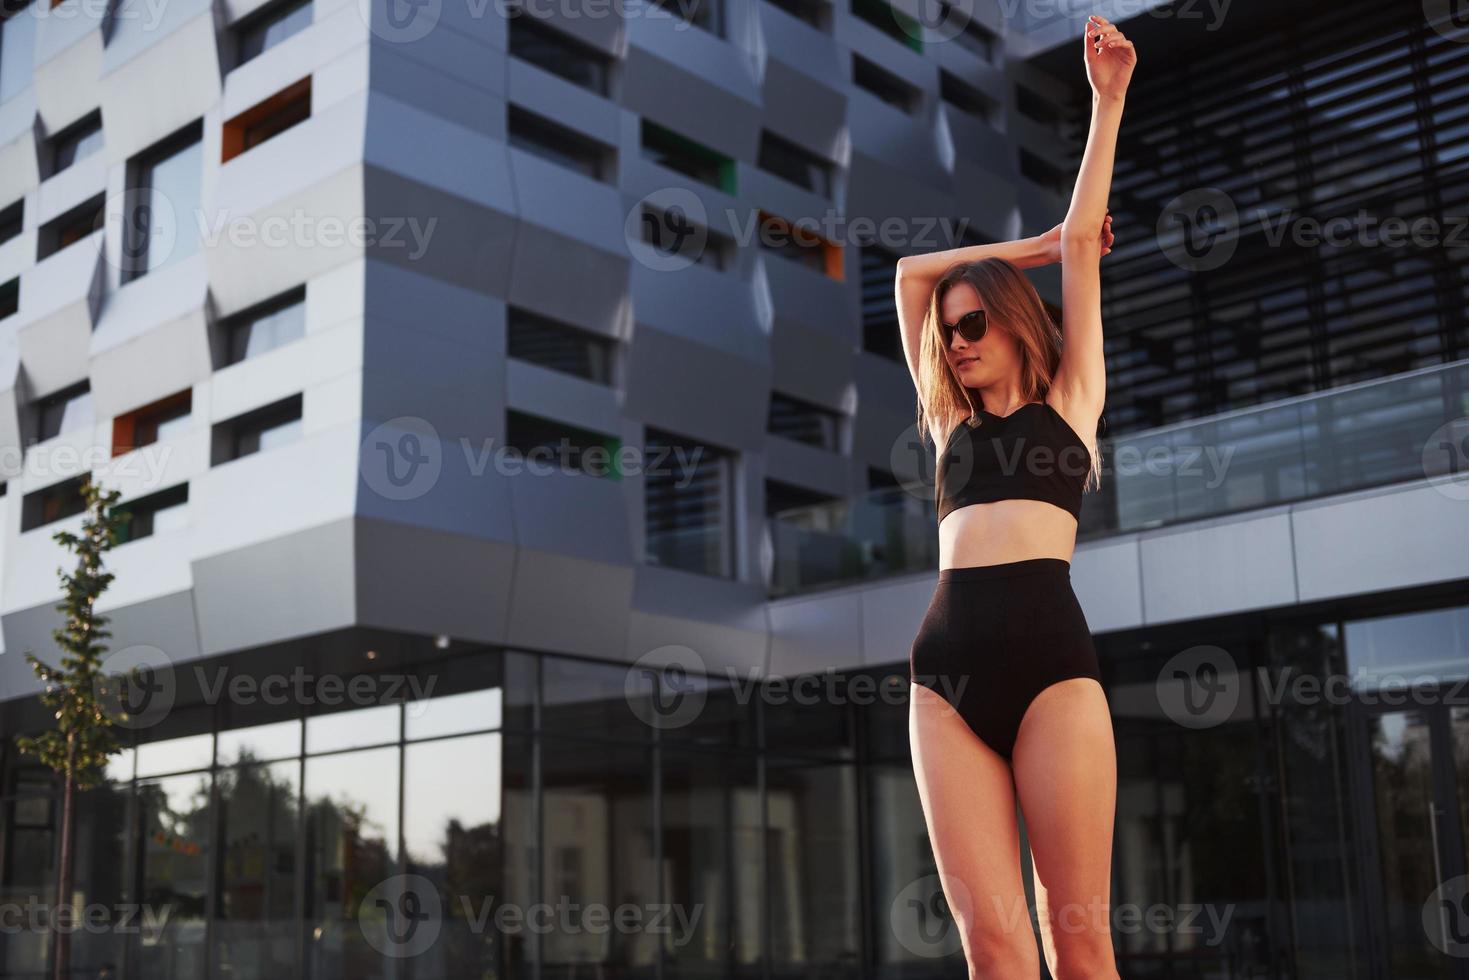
pixel 968 798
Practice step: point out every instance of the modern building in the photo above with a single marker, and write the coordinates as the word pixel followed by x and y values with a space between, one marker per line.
pixel 529 525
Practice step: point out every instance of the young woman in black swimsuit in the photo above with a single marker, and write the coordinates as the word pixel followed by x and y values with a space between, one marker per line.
pixel 1007 701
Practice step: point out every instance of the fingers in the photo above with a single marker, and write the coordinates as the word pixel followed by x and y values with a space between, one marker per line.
pixel 1102 34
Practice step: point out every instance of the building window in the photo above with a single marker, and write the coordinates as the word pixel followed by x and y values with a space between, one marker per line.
pixel 706 15
pixel 968 99
pixel 78 140
pixel 54 503
pixel 803 421
pixel 682 155
pixel 264 428
pixel 548 444
pixel 799 244
pixel 144 426
pixel 891 21
pixel 69 228
pixel 558 346
pixel 817 13
pixel 672 233
pixel 545 47
pixel 11 221
pixel 264 120
pixel 264 327
pixel 795 163
pixel 263 30
pixel 9 297
pixel 879 314
pixel 974 36
pixel 1039 171
pixel 17 49
pixel 885 85
pixel 163 226
pixel 1037 108
pixel 64 411
pixel 782 498
pixel 690 510
pixel 558 144
pixel 166 510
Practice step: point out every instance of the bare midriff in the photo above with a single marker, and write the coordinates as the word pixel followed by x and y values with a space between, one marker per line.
pixel 1005 531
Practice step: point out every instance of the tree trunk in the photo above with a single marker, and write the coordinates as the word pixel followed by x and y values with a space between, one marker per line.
pixel 62 933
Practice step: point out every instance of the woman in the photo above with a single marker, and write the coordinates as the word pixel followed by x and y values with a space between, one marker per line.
pixel 1007 702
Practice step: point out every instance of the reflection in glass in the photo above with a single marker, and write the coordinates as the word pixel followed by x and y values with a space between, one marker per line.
pixel 454 714
pixel 351 839
pixel 255 928
pixel 1413 649
pixel 811 831
pixel 900 855
pixel 591 699
pixel 174 831
pixel 454 838
pixel 353 729
pixel 175 755
pixel 598 833
pixel 712 854
pixel 260 743
pixel 1459 742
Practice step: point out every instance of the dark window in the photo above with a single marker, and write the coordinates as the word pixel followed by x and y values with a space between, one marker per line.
pixel 783 497
pixel 558 346
pixel 289 107
pixel 884 84
pixel 9 297
pixel 145 426
pixel 165 510
pixel 795 163
pixel 672 233
pixel 881 479
pixel 689 492
pixel 11 220
pixel 54 503
pixel 798 243
pixel 817 13
pixel 548 444
pixel 69 228
pixel 1039 171
pixel 545 47
pixel 1033 105
pixel 891 21
pixel 966 98
pixel 264 30
pixel 704 14
pixel 879 308
pixel 682 155
pixel 76 141
pixel 266 326
pixel 64 411
pixel 264 428
pixel 164 225
pixel 554 142
pixel 803 421
pixel 974 35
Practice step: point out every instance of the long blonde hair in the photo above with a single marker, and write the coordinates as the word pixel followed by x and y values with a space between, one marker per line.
pixel 1012 304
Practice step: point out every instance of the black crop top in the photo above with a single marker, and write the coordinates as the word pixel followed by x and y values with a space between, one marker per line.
pixel 1030 454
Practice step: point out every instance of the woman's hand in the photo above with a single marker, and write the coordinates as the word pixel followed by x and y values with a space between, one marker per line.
pixel 1110 58
pixel 1052 240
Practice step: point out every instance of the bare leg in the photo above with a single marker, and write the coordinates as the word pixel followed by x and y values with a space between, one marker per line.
pixel 1065 764
pixel 968 800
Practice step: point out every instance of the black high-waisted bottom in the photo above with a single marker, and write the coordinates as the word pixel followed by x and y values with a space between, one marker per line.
pixel 995 636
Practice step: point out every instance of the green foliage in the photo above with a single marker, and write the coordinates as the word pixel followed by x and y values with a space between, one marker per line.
pixel 76 689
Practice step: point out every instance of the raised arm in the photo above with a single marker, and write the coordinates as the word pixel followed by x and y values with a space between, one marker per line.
pixel 1081 380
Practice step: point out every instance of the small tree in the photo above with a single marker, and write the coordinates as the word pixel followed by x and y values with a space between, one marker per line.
pixel 76 689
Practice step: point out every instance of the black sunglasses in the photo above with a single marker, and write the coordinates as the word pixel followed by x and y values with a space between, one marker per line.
pixel 972 326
